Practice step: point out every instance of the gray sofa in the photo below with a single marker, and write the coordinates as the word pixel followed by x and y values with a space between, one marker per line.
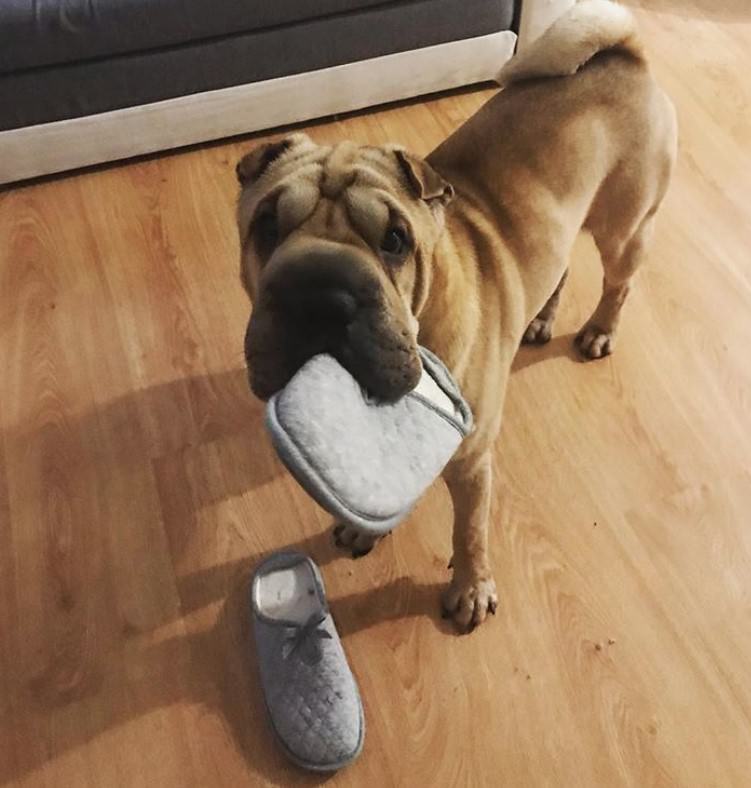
pixel 73 60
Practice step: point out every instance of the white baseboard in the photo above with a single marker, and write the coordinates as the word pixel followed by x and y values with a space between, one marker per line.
pixel 78 142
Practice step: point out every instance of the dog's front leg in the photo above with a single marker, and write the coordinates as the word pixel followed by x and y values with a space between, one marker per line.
pixel 471 595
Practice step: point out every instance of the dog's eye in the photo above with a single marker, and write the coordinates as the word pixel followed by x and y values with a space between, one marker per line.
pixel 395 242
pixel 266 233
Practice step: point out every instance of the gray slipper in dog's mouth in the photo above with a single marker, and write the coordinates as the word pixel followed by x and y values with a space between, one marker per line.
pixel 367 462
pixel 310 692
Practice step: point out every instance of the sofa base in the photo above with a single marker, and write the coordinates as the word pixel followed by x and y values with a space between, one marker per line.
pixel 67 144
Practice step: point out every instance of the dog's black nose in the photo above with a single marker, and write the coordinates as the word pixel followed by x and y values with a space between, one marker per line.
pixel 322 304
pixel 330 304
pixel 320 289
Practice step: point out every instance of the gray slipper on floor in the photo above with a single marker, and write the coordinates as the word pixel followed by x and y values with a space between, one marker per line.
pixel 309 689
pixel 366 462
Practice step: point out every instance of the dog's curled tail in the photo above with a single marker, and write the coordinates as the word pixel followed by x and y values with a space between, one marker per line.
pixel 589 27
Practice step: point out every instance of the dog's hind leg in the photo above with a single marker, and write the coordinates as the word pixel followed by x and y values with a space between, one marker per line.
pixel 540 329
pixel 620 261
pixel 621 220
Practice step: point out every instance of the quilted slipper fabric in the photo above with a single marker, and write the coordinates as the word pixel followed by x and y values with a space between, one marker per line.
pixel 311 695
pixel 366 462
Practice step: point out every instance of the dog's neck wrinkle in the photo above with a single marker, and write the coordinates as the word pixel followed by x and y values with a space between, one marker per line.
pixel 443 316
pixel 470 296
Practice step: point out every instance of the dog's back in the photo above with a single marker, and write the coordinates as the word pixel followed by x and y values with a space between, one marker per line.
pixel 581 136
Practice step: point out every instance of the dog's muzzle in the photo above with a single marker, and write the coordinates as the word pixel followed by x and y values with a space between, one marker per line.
pixel 328 300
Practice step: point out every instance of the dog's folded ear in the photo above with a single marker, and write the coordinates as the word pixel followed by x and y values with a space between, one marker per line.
pixel 255 163
pixel 425 182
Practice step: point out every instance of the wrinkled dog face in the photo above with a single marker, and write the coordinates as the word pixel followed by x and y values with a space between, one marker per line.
pixel 336 247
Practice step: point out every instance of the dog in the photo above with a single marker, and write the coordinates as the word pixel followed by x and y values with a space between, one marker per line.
pixel 364 251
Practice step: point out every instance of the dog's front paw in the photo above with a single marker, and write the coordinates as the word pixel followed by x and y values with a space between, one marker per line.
pixel 593 342
pixel 354 540
pixel 468 602
pixel 538 332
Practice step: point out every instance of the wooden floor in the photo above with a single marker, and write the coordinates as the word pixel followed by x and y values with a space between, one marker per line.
pixel 138 491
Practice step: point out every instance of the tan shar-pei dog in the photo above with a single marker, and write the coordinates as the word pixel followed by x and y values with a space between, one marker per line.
pixel 364 251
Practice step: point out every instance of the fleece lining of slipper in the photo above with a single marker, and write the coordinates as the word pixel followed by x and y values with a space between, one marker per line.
pixel 366 462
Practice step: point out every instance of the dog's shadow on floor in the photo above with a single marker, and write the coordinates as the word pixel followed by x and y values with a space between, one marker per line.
pixel 561 346
pixel 202 438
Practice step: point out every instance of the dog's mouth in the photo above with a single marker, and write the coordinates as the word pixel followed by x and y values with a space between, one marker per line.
pixel 371 345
